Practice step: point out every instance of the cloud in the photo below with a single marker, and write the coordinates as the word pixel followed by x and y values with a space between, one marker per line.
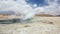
pixel 52 8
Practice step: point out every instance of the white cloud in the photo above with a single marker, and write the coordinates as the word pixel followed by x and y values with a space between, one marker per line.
pixel 52 8
pixel 35 5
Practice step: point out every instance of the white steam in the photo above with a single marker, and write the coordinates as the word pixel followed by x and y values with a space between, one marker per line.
pixel 19 7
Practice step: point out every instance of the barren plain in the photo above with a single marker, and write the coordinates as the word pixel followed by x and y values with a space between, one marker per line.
pixel 37 25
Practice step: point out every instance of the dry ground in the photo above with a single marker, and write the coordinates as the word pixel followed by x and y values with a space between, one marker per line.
pixel 38 25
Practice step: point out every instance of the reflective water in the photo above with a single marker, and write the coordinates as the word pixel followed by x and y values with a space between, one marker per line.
pixel 10 21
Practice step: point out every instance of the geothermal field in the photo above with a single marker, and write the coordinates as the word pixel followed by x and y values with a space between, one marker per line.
pixel 18 17
pixel 37 25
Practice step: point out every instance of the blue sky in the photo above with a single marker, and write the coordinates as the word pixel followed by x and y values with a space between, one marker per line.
pixel 38 2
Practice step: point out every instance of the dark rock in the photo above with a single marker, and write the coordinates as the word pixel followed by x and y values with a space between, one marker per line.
pixel 51 22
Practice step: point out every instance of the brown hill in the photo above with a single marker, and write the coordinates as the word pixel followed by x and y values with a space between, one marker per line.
pixel 45 15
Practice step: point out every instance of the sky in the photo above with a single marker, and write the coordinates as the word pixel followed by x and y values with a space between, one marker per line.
pixel 38 2
pixel 28 8
pixel 41 2
pixel 45 6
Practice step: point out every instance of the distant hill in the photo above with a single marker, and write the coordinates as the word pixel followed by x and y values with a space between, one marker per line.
pixel 47 15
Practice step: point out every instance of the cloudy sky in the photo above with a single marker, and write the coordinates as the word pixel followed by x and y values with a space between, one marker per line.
pixel 45 6
pixel 37 2
pixel 24 6
pixel 42 2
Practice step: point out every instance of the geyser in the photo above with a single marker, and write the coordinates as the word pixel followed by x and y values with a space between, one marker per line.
pixel 16 8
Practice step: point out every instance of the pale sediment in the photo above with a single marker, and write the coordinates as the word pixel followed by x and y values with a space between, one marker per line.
pixel 38 25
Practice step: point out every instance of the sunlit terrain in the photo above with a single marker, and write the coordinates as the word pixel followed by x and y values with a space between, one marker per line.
pixel 37 25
